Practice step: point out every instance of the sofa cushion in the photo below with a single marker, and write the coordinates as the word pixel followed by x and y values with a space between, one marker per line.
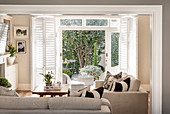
pixel 74 103
pixel 120 86
pixel 7 92
pixel 134 83
pixel 23 103
pixel 72 93
pixel 96 93
pixel 109 78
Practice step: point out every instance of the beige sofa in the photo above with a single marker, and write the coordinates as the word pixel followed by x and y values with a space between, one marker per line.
pixel 130 102
pixel 57 105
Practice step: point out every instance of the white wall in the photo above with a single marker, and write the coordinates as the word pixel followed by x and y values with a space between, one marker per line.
pixel 23 60
pixel 144 50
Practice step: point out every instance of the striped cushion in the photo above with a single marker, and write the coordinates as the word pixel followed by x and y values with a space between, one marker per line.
pixel 120 86
pixel 96 93
pixel 72 93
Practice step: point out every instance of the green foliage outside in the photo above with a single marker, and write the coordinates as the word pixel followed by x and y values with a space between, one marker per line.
pixel 71 22
pixel 115 49
pixel 12 50
pixel 68 72
pixel 4 82
pixel 79 45
pixel 92 71
pixel 96 22
pixel 95 54
pixel 47 77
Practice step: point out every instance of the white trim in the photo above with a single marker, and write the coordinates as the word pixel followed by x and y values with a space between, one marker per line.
pixel 156 45
pixel 22 86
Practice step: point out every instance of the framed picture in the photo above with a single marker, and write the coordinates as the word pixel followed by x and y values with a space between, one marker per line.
pixel 21 46
pixel 21 32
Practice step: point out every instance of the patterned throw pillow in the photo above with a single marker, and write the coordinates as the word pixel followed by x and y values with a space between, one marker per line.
pixel 109 78
pixel 96 93
pixel 120 86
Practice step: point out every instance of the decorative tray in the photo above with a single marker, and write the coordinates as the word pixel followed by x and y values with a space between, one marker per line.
pixel 52 88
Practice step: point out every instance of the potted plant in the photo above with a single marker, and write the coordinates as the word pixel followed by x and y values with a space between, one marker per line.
pixel 47 78
pixel 4 82
pixel 12 52
pixel 92 71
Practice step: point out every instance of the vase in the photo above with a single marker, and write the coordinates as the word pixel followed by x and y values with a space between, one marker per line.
pixel 48 83
pixel 11 60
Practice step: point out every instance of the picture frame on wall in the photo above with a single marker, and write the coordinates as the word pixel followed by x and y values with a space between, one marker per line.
pixel 21 32
pixel 21 46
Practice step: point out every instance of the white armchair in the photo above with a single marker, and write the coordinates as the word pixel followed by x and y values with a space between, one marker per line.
pixel 75 85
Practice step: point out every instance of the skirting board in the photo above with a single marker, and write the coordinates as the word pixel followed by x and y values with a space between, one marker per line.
pixel 24 87
pixel 146 87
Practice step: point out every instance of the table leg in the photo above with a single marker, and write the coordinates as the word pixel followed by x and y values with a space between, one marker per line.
pixel 41 95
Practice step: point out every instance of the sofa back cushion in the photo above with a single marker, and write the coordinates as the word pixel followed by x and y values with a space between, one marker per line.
pixel 25 103
pixel 74 103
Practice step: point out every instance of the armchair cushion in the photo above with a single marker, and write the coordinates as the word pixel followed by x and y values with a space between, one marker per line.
pixel 134 83
pixel 120 86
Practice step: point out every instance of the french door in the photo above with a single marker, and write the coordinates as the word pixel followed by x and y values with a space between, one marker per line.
pixel 61 29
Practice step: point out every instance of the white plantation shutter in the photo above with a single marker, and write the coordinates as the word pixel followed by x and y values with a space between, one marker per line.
pixel 133 47
pixel 50 45
pixel 128 45
pixel 123 44
pixel 3 37
pixel 45 47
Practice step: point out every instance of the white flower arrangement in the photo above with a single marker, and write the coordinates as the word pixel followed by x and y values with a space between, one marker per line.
pixel 92 70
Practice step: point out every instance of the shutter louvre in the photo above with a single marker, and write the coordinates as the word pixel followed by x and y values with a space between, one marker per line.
pixel 3 36
pixel 123 44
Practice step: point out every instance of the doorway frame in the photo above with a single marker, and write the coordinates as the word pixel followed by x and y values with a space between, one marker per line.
pixel 156 33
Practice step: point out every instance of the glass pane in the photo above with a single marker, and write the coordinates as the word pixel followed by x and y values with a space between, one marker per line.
pixel 70 22
pixel 96 22
pixel 115 49
pixel 78 49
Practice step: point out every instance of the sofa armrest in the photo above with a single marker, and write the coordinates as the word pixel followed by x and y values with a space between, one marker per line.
pixel 99 83
pixel 131 102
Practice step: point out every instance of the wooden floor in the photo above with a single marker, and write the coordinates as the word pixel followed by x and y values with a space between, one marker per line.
pixel 29 94
pixel 24 93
